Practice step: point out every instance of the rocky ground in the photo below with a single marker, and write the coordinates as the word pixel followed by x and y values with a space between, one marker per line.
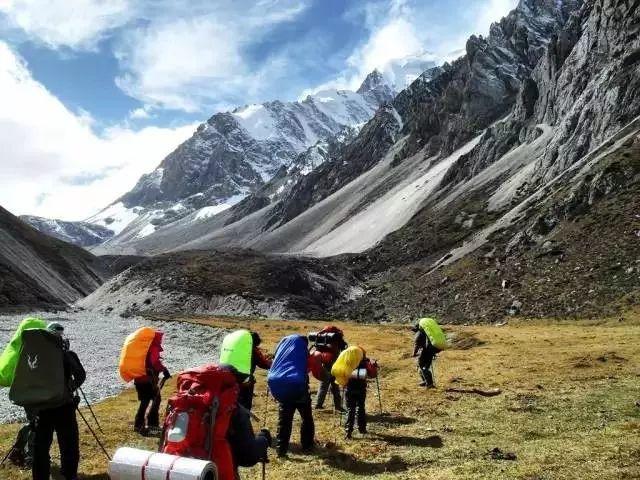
pixel 97 339
pixel 236 282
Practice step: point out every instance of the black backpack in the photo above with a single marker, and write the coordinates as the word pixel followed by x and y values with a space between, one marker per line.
pixel 21 454
pixel 40 382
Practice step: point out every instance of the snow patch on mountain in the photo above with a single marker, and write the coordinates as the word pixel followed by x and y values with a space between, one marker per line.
pixel 115 217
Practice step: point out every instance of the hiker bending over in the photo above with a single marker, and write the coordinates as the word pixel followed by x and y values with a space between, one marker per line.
pixel 328 343
pixel 149 390
pixel 60 419
pixel 356 394
pixel 427 331
pixel 289 384
pixel 258 359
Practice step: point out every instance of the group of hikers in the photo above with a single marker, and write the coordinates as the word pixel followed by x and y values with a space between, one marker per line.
pixel 209 415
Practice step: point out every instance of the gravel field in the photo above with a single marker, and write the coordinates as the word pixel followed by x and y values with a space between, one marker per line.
pixel 97 339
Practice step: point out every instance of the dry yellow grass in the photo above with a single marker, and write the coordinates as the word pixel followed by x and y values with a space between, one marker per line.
pixel 567 408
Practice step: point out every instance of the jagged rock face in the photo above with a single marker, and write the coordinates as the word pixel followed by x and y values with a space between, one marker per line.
pixel 82 234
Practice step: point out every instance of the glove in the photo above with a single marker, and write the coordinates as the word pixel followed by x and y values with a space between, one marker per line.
pixel 166 374
pixel 266 434
pixel 76 400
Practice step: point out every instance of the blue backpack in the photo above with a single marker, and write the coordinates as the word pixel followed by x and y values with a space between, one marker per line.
pixel 288 379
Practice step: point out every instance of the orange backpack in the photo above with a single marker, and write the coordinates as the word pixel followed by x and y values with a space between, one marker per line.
pixel 133 356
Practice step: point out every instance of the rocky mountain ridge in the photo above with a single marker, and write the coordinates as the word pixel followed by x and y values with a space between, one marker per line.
pixel 83 234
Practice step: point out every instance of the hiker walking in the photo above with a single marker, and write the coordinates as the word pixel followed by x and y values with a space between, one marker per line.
pixel 148 415
pixel 428 342
pixel 45 379
pixel 356 395
pixel 289 384
pixel 258 360
pixel 141 361
pixel 327 345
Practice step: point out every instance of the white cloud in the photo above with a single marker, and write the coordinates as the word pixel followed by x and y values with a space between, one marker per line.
pixel 141 113
pixel 77 24
pixel 53 164
pixel 186 63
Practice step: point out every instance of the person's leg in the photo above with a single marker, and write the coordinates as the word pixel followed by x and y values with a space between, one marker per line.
pixel 245 396
pixel 41 445
pixel 350 399
pixel 362 413
pixel 143 390
pixel 153 417
pixel 322 393
pixel 68 440
pixel 285 419
pixel 307 427
pixel 337 398
pixel 424 364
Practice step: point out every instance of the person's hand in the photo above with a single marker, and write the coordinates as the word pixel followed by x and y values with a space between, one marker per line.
pixel 267 435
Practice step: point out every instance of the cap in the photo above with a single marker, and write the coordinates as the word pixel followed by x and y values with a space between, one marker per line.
pixel 55 327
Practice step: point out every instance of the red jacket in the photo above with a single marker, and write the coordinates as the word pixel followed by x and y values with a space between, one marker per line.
pixel 153 362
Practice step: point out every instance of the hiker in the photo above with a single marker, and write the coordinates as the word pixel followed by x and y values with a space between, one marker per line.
pixel 428 342
pixel 60 419
pixel 240 350
pixel 247 448
pixel 328 343
pixel 288 381
pixel 258 360
pixel 356 394
pixel 147 420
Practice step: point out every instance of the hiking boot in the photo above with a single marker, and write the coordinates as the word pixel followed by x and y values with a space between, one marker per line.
pixel 431 385
pixel 282 454
pixel 309 449
pixel 422 384
pixel 348 436
pixel 363 431
pixel 154 432
pixel 144 431
pixel 319 407
pixel 341 410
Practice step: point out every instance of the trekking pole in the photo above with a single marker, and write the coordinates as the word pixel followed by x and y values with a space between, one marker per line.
pixel 379 397
pixel 104 450
pixel 266 405
pixel 264 470
pixel 91 410
pixel 13 447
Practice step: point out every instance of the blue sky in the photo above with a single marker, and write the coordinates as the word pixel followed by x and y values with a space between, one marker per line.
pixel 123 72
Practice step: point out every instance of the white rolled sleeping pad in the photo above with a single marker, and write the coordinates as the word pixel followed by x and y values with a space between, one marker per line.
pixel 133 464
pixel 359 374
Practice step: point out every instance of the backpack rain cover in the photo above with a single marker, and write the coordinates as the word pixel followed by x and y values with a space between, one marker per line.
pixel 288 379
pixel 133 357
pixel 436 336
pixel 39 381
pixel 236 350
pixel 346 363
pixel 9 358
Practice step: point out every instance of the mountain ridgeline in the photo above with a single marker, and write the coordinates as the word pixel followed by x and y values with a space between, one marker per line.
pixel 502 183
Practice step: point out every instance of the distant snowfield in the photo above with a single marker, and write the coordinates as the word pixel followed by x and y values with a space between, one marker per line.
pixel 97 339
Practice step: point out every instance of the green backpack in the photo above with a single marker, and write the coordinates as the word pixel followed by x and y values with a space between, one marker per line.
pixel 237 350
pixel 436 336
pixel 9 358
pixel 39 381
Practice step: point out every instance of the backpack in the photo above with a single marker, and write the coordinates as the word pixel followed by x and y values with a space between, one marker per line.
pixel 40 381
pixel 198 417
pixel 288 380
pixel 236 350
pixel 133 356
pixel 11 353
pixel 21 454
pixel 436 336
pixel 346 363
pixel 327 339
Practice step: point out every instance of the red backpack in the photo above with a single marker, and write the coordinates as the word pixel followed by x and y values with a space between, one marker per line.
pixel 198 417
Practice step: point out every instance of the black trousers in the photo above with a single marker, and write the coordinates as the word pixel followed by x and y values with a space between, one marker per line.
pixel 62 421
pixel 285 421
pixel 148 394
pixel 245 395
pixel 424 364
pixel 356 396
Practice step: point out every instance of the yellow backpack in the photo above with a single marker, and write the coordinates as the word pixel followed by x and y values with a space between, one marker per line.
pixel 346 363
